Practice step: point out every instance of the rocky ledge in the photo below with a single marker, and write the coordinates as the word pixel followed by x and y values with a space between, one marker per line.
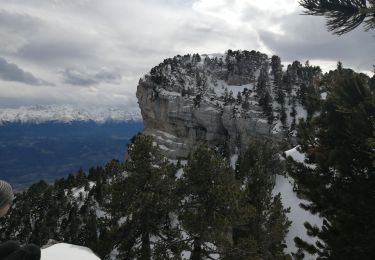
pixel 225 100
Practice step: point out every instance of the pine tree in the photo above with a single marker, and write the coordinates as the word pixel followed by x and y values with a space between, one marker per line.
pixel 264 93
pixel 262 236
pixel 339 66
pixel 266 103
pixel 341 187
pixel 283 117
pixel 197 100
pixel 246 103
pixel 226 97
pixel 277 72
pixel 239 98
pixel 262 86
pixel 342 15
pixel 145 199
pixel 231 98
pixel 210 200
pixel 276 69
pixel 81 178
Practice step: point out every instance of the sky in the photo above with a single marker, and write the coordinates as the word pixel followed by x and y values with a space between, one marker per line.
pixel 93 52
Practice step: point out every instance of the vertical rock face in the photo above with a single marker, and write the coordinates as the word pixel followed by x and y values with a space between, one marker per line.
pixel 223 100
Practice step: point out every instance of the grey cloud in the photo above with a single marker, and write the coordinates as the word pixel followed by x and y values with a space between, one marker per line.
pixel 55 52
pixel 16 29
pixel 69 41
pixel 306 38
pixel 88 78
pixel 11 72
pixel 19 22
pixel 45 40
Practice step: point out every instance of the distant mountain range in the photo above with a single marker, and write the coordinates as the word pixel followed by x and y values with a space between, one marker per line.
pixel 50 141
pixel 66 114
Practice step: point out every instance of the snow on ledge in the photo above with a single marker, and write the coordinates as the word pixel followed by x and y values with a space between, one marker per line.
pixel 298 157
pixel 63 251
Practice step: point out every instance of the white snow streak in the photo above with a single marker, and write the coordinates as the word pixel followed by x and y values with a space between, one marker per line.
pixel 65 251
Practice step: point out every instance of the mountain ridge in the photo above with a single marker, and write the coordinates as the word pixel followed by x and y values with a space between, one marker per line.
pixel 66 114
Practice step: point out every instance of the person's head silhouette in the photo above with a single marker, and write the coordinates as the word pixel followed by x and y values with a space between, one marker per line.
pixel 6 197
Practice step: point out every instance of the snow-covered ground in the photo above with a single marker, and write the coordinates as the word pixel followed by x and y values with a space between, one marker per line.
pixel 299 157
pixel 63 251
pixel 66 114
pixel 298 216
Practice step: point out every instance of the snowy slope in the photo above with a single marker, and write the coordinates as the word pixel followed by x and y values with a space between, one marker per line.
pixel 64 251
pixel 66 114
pixel 298 216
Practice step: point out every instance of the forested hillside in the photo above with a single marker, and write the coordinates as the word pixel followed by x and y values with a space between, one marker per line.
pixel 150 207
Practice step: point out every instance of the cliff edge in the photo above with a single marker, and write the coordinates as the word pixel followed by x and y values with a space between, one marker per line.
pixel 225 100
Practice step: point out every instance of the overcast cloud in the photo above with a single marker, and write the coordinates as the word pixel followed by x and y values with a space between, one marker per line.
pixel 11 72
pixel 93 52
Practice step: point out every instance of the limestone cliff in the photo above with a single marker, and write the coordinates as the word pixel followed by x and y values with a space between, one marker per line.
pixel 225 100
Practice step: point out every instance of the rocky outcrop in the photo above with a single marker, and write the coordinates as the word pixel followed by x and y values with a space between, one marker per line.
pixel 178 126
pixel 189 100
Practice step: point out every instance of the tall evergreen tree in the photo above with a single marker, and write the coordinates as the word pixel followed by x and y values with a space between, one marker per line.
pixel 264 93
pixel 146 197
pixel 210 200
pixel 263 84
pixel 263 234
pixel 342 186
pixel 277 72
pixel 266 103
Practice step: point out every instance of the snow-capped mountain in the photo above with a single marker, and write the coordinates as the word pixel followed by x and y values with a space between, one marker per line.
pixel 66 114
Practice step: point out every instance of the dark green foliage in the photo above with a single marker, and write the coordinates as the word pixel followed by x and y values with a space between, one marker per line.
pixel 196 58
pixel 141 210
pixel 209 206
pixel 246 103
pixel 311 100
pixel 339 66
pixel 228 97
pixel 81 178
pixel 157 76
pixel 264 93
pixel 342 15
pixel 60 212
pixel 197 100
pixel 341 187
pixel 266 103
pixel 276 69
pixel 262 234
pixel 263 84
pixel 283 117
pixel 239 98
pixel 145 198
pixel 243 64
pixel 277 72
pixel 141 214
